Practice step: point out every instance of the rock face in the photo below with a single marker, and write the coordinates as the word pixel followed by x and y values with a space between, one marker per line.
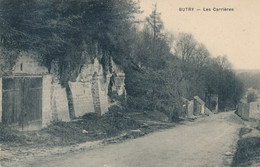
pixel 93 87
pixel 27 65
pixel 249 111
pixel 90 91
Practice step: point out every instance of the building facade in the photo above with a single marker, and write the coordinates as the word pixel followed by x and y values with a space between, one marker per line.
pixel 31 98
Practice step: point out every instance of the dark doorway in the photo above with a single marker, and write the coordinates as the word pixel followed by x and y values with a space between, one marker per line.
pixel 22 101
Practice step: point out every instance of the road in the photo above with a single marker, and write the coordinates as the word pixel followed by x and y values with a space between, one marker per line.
pixel 204 142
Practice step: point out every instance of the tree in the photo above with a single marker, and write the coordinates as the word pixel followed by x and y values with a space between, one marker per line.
pixel 251 97
pixel 67 33
pixel 221 80
pixel 155 22
pixel 185 47
pixel 194 57
pixel 223 62
pixel 203 75
pixel 154 84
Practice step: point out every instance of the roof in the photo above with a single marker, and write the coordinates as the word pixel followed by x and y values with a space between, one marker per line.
pixel 199 100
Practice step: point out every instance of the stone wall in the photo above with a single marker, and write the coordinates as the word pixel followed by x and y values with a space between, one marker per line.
pixel 92 77
pixel 59 103
pixel 26 64
pixel 190 108
pixel 198 108
pixel 103 94
pixel 46 100
pixel 249 110
pixel 82 98
pixel 54 102
pixel 254 109
pixel 89 91
pixel 95 94
pixel 243 110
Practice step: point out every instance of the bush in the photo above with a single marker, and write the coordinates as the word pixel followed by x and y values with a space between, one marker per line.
pixel 251 97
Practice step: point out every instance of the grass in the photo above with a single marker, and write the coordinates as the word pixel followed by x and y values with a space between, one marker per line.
pixel 89 127
pixel 248 150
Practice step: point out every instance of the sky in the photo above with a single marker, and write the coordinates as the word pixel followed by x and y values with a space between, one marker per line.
pixel 235 34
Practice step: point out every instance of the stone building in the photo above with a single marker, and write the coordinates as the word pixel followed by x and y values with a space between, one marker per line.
pixel 249 110
pixel 199 106
pixel 195 107
pixel 188 107
pixel 30 97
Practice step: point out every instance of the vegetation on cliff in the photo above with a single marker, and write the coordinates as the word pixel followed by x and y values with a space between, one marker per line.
pixel 159 69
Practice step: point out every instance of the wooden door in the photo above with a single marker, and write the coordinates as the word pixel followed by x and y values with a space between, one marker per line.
pixel 22 101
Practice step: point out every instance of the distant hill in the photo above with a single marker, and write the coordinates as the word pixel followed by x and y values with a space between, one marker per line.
pixel 252 71
pixel 250 78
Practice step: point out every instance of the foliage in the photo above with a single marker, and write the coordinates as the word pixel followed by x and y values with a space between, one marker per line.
pixel 251 97
pixel 203 75
pixel 154 84
pixel 67 34
pixel 155 22
pixel 62 30
pixel 250 79
pixel 222 81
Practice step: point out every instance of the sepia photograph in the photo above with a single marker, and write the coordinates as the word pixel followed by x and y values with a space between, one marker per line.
pixel 129 83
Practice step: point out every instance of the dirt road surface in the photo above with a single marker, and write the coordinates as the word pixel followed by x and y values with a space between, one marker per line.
pixel 208 141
